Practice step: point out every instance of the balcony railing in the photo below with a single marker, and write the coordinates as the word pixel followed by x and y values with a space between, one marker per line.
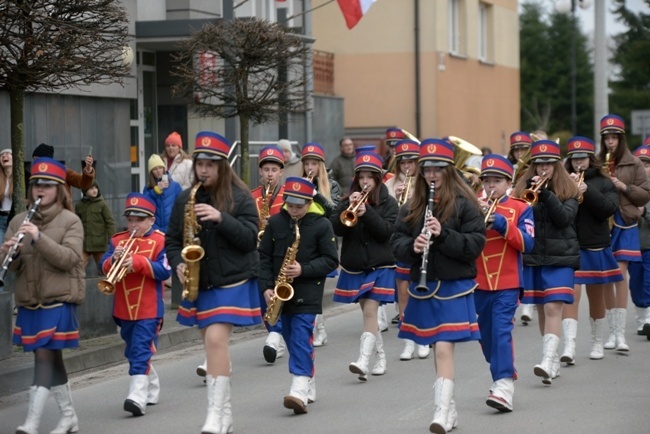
pixel 323 73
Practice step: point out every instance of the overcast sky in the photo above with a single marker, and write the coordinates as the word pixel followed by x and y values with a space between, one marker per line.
pixel 613 26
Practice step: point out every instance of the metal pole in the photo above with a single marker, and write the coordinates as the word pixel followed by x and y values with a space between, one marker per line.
pixel 574 112
pixel 230 122
pixel 600 69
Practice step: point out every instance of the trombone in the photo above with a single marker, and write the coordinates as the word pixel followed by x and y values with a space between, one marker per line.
pixel 118 269
pixel 530 195
pixel 349 216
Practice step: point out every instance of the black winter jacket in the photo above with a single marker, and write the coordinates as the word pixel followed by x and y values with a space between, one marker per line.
pixel 230 246
pixel 556 242
pixel 367 244
pixel 453 253
pixel 317 256
pixel 600 201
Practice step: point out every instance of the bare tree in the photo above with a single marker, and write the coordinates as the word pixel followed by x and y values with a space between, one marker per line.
pixel 249 68
pixel 52 45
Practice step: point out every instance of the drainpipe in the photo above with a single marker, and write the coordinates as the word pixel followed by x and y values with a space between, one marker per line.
pixel 418 103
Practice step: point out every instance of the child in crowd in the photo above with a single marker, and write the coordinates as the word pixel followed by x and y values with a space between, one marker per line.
pixel 138 307
pixel 98 222
pixel 162 190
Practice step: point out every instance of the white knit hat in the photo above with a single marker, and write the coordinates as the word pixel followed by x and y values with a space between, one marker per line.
pixel 5 151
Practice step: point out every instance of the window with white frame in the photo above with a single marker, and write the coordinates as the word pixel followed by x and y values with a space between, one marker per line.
pixel 455 22
pixel 485 32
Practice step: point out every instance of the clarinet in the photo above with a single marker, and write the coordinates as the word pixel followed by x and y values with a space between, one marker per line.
pixel 14 249
pixel 422 285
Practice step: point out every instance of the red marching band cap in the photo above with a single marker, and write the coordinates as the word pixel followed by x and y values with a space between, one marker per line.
pixel 271 154
pixel 544 151
pixel 407 150
pixel 313 150
pixel 365 149
pixel 393 135
pixel 646 142
pixel 436 153
pixel 520 139
pixel 139 205
pixel 298 191
pixel 612 124
pixel 643 152
pixel 47 171
pixel 368 161
pixel 211 146
pixel 580 147
pixel 494 164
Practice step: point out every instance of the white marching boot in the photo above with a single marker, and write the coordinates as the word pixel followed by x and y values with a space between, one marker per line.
pixel 641 320
pixel 597 327
pixel 202 369
pixel 153 391
pixel 619 332
pixel 366 346
pixel 37 397
pixel 569 332
pixel 69 421
pixel 443 392
pixel 136 402
pixel 219 417
pixel 382 318
pixel 297 398
pixel 610 343
pixel 274 347
pixel 501 395
pixel 526 313
pixel 423 351
pixel 546 369
pixel 409 349
pixel 311 393
pixel 380 357
pixel 320 336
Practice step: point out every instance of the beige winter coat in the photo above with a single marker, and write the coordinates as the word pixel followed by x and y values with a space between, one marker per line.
pixel 51 269
pixel 631 173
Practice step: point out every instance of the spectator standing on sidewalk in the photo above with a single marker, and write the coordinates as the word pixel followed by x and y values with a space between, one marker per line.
pixel 179 163
pixel 342 167
pixel 162 190
pixel 98 222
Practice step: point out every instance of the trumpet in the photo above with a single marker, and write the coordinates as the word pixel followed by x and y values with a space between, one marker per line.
pixel 530 195
pixel 488 211
pixel 580 180
pixel 311 176
pixel 349 217
pixel 422 284
pixel 118 269
pixel 403 197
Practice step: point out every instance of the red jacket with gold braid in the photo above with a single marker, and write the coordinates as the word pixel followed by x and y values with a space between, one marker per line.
pixel 500 265
pixel 277 200
pixel 140 294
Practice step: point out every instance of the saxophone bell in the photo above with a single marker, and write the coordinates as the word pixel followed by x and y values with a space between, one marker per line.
pixel 192 252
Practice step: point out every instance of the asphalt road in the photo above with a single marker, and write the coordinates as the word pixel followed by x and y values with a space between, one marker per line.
pixel 610 395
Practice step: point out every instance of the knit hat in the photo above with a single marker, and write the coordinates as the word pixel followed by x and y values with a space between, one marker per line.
pixel 4 151
pixel 139 205
pixel 285 145
pixel 155 161
pixel 43 150
pixel 47 171
pixel 174 139
pixel 211 146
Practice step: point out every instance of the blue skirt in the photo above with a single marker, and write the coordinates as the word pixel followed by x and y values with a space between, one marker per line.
pixel 52 327
pixel 237 304
pixel 402 271
pixel 597 266
pixel 625 240
pixel 378 284
pixel 543 284
pixel 446 314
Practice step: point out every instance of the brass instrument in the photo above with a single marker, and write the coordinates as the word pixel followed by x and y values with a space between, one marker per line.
pixel 488 211
pixel 410 136
pixel 192 252
pixel 523 163
pixel 403 197
pixel 422 284
pixel 310 177
pixel 283 291
pixel 14 249
pixel 530 195
pixel 464 150
pixel 118 269
pixel 607 165
pixel 349 216
pixel 579 181
pixel 265 212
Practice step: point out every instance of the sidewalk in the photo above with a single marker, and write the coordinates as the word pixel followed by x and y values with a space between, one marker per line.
pixel 16 372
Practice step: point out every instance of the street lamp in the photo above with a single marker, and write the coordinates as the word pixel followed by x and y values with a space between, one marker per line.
pixel 566 7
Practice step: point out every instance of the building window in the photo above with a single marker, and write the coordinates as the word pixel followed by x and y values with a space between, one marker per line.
pixel 485 34
pixel 456 25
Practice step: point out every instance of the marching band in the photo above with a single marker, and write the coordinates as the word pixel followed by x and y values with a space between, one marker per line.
pixel 457 248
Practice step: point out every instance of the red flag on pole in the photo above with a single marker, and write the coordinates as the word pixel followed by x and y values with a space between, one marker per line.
pixel 353 10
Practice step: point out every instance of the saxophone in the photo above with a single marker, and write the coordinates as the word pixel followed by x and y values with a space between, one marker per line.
pixel 265 211
pixel 283 291
pixel 192 252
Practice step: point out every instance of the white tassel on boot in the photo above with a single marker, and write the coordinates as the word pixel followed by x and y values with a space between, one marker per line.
pixel 320 336
pixel 443 392
pixel 621 314
pixel 298 395
pixel 153 390
pixel 569 332
pixel 545 368
pixel 360 367
pixel 37 397
pixel 69 421
pixel 219 417
pixel 136 402
pixel 380 357
pixel 409 349
pixel 610 343
pixel 597 327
